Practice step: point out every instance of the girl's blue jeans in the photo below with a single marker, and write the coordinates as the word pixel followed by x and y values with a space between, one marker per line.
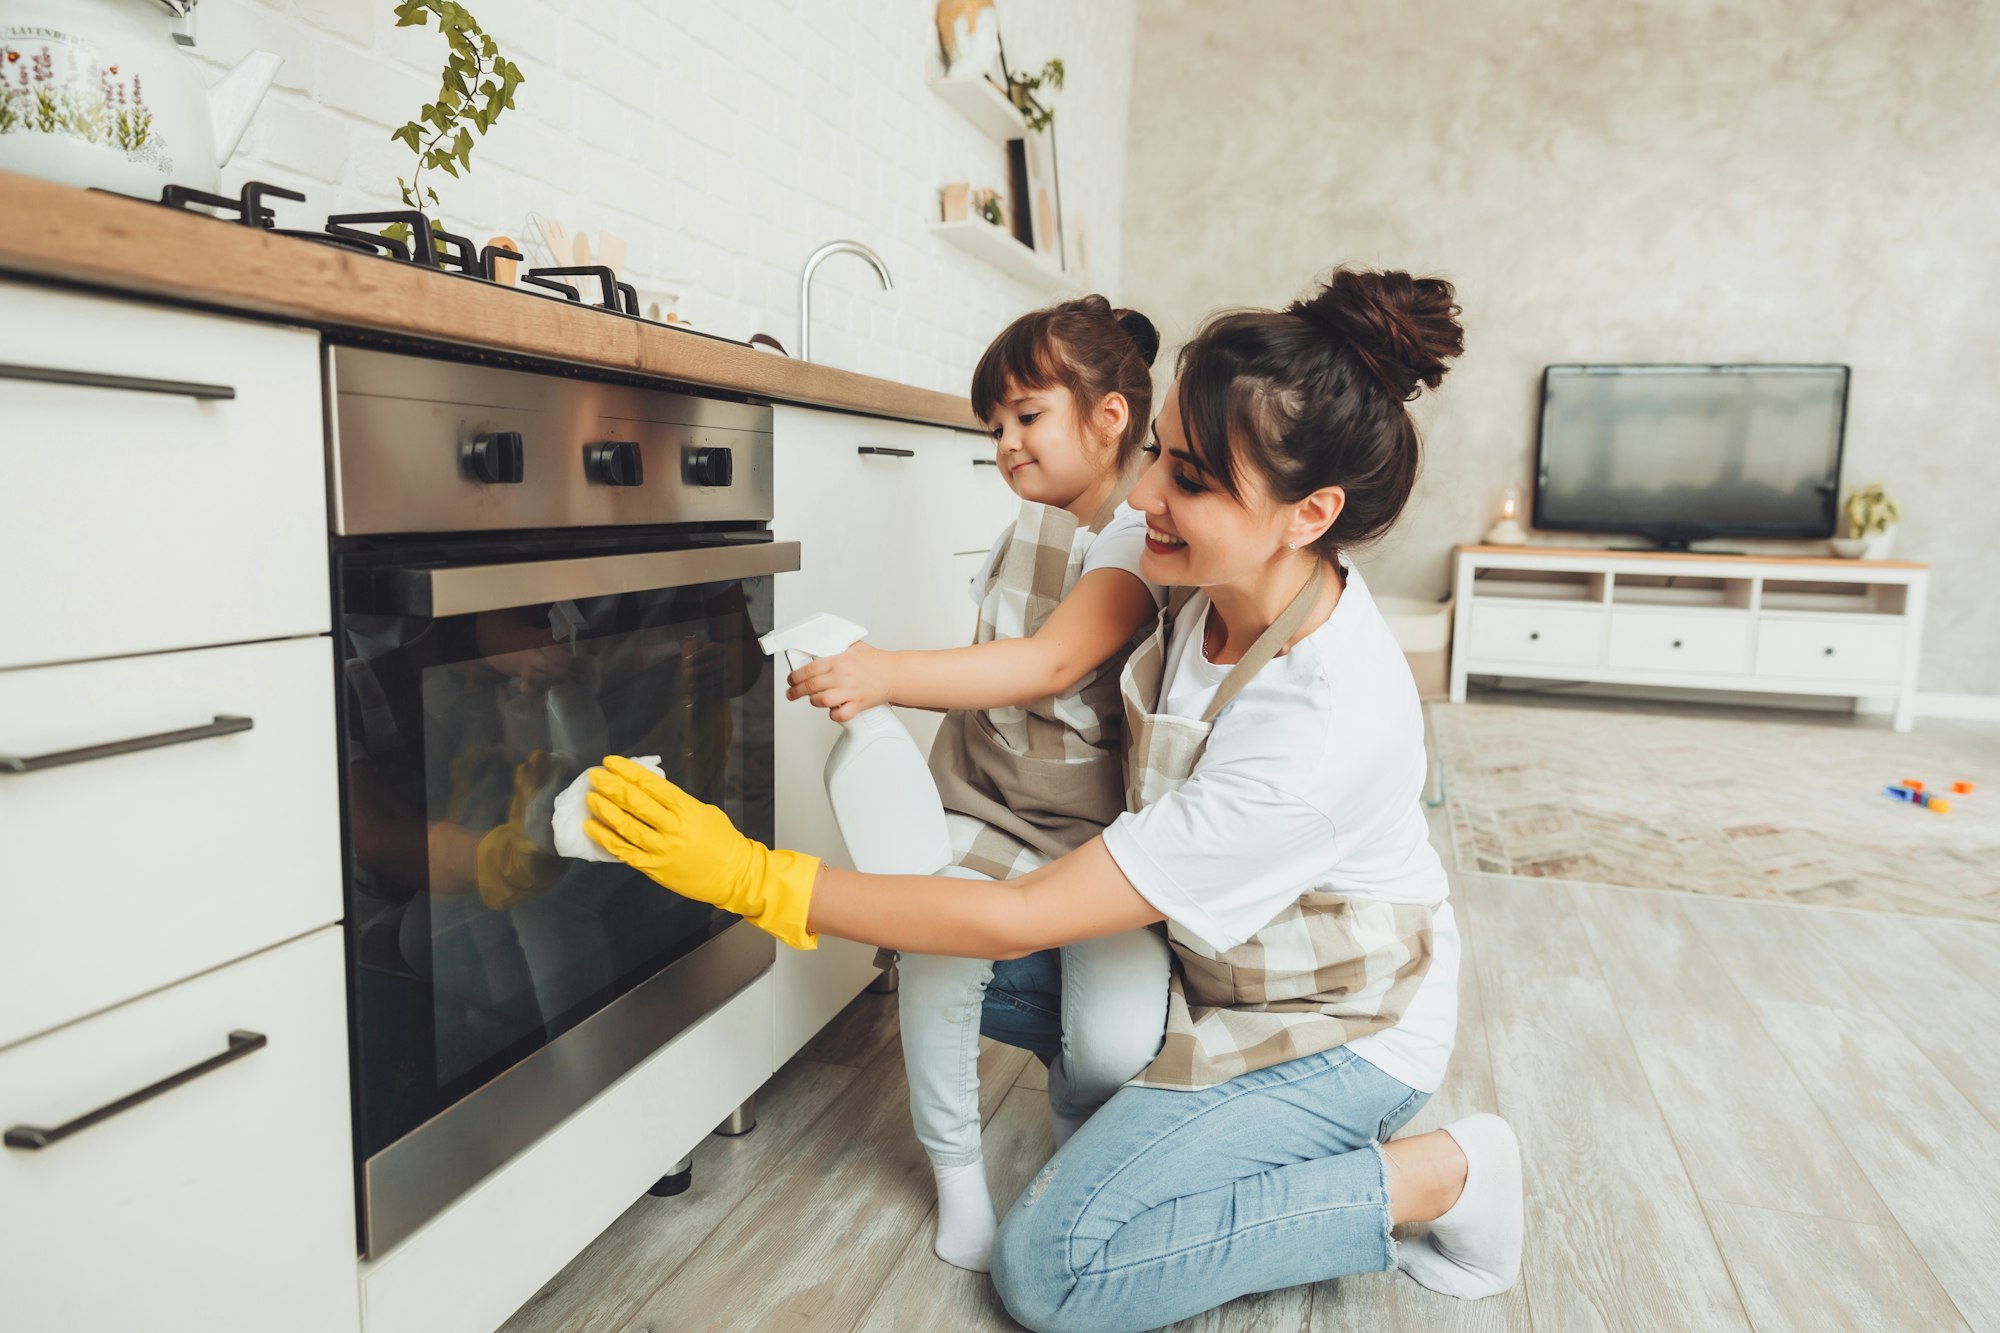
pixel 1166 1204
pixel 1113 990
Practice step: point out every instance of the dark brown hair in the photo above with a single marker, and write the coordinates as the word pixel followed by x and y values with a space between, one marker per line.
pixel 1314 395
pixel 1084 346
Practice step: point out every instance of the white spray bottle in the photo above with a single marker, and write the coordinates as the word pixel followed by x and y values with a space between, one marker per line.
pixel 881 790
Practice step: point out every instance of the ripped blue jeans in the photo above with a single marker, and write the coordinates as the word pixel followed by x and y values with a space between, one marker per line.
pixel 1166 1204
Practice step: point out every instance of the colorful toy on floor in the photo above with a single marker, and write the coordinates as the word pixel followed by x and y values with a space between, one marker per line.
pixel 1961 788
pixel 1913 793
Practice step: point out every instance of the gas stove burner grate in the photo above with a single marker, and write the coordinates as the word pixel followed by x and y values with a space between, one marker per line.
pixel 429 246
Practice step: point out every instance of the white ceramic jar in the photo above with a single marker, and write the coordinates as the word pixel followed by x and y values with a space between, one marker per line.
pixel 98 93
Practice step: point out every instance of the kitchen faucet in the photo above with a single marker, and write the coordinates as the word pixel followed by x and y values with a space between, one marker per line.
pixel 813 261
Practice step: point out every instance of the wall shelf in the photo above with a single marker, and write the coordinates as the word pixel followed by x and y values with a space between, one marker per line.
pixel 998 247
pixel 981 103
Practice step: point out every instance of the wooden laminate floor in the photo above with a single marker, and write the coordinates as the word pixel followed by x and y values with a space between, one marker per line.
pixel 1735 1115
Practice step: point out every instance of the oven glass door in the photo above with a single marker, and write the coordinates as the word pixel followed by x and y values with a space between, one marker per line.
pixel 467 709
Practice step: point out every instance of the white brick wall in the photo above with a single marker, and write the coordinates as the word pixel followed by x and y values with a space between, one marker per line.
pixel 723 141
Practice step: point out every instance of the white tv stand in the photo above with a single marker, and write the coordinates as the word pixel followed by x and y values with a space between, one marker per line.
pixel 1769 624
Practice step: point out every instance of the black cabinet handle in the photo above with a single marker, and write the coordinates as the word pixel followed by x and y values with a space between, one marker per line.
pixel 1829 652
pixel 224 725
pixel 31 1137
pixel 84 379
pixel 885 451
pixel 986 462
pixel 1677 643
pixel 1533 635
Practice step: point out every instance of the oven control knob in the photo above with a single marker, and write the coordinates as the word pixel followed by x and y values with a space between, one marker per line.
pixel 494 458
pixel 709 467
pixel 613 463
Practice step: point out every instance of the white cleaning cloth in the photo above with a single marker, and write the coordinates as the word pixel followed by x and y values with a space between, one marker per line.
pixel 571 812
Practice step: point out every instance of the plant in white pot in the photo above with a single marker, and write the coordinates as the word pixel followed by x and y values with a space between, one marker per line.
pixel 1871 524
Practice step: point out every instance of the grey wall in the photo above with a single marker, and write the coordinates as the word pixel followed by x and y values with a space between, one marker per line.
pixel 1671 181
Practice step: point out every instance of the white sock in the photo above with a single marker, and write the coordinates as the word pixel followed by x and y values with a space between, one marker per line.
pixel 1474 1249
pixel 1065 1126
pixel 965 1221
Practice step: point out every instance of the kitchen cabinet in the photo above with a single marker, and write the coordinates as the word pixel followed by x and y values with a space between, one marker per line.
pixel 163 484
pixel 225 1202
pixel 887 514
pixel 132 871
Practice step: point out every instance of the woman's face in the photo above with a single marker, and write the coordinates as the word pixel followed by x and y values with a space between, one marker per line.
pixel 1197 534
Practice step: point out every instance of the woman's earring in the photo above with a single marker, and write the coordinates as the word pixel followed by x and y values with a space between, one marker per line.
pixel 1291 546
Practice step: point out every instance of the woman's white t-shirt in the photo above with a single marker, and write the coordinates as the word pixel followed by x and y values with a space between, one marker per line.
pixel 1312 780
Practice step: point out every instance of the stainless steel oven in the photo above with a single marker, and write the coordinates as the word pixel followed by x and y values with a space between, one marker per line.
pixel 531 571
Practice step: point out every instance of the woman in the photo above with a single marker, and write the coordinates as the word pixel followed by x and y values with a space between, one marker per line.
pixel 1274 761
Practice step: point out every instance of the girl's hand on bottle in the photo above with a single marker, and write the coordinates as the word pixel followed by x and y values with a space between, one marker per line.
pixel 845 683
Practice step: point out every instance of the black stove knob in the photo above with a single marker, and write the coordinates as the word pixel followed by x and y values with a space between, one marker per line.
pixel 495 458
pixel 614 463
pixel 709 467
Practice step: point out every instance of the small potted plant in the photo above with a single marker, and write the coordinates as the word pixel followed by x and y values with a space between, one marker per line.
pixel 1871 524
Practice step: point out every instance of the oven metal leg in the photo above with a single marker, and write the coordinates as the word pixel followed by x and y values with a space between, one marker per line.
pixel 676 1181
pixel 887 983
pixel 741 1121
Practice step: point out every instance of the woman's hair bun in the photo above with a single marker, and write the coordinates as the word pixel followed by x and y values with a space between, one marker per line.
pixel 1403 328
pixel 1141 331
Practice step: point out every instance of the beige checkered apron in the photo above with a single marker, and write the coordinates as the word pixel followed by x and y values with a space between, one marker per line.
pixel 1327 969
pixel 1026 785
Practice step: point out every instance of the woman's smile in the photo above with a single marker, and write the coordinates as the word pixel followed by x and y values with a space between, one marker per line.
pixel 1162 543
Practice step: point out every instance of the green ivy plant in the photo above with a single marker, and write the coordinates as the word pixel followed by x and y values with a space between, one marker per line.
pixel 477 85
pixel 1871 511
pixel 1021 91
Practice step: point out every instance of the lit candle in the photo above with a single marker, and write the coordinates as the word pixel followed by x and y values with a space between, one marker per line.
pixel 1507 530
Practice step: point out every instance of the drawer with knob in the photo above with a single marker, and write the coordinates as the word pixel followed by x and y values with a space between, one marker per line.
pixel 1850 648
pixel 1542 635
pixel 163 815
pixel 1668 641
pixel 182 1163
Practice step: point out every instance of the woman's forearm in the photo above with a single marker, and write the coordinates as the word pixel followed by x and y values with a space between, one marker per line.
pixel 1080 897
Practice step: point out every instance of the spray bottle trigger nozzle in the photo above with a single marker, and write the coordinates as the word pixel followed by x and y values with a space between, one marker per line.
pixel 818 635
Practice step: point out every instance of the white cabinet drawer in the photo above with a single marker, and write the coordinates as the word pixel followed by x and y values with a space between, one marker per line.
pixel 122 874
pixel 1665 642
pixel 226 1202
pixel 1849 648
pixel 1542 635
pixel 144 518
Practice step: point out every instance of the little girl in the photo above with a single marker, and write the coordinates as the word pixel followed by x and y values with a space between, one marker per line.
pixel 1028 759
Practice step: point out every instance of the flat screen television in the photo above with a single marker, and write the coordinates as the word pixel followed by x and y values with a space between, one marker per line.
pixel 1676 454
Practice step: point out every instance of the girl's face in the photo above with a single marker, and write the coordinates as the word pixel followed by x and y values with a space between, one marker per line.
pixel 1043 447
pixel 1197 534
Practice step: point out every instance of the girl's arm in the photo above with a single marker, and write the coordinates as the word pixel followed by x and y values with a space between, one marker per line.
pixel 1100 615
pixel 1080 897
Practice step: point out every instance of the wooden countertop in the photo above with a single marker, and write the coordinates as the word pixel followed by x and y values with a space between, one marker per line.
pixel 1597 552
pixel 63 234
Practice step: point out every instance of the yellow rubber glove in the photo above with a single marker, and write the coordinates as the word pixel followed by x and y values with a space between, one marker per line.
pixel 511 869
pixel 691 847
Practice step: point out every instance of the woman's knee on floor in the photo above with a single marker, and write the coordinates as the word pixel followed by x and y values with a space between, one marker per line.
pixel 1031 1271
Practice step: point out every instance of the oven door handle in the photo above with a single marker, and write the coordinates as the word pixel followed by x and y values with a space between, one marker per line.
pixel 470 588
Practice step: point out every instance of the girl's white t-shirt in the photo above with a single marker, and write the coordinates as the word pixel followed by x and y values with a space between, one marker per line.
pixel 1312 781
pixel 1120 544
